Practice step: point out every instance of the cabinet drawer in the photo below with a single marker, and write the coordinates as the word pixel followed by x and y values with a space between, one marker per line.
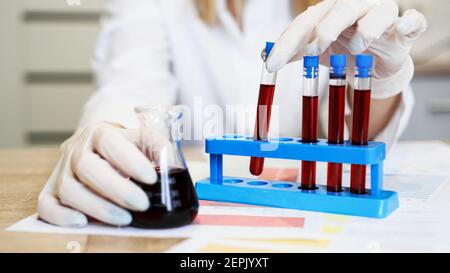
pixel 65 5
pixel 55 107
pixel 66 47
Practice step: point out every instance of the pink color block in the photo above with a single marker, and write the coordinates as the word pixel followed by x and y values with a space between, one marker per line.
pixel 249 221
pixel 222 204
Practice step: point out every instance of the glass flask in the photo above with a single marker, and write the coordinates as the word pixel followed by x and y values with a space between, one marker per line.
pixel 173 201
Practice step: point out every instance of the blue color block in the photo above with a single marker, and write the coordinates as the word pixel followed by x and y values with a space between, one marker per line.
pixel 376 203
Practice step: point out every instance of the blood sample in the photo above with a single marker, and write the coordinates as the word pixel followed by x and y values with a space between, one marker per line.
pixel 360 121
pixel 309 117
pixel 183 200
pixel 173 200
pixel 336 108
pixel 264 108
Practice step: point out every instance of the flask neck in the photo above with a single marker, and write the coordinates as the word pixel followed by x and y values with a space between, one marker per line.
pixel 160 135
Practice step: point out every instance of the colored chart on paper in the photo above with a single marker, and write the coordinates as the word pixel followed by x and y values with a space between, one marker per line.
pixel 249 221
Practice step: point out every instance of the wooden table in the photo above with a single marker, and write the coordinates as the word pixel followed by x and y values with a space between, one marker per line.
pixel 23 173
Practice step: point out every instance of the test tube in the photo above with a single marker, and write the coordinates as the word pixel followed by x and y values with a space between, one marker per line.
pixel 336 106
pixel 360 121
pixel 309 117
pixel 263 112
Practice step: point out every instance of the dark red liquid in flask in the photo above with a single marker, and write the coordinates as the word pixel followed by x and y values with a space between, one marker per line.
pixel 335 133
pixel 180 193
pixel 360 136
pixel 309 135
pixel 173 201
pixel 263 113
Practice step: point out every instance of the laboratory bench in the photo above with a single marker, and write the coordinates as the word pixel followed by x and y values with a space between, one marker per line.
pixel 23 173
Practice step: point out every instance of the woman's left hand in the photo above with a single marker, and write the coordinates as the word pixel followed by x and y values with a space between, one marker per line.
pixel 353 27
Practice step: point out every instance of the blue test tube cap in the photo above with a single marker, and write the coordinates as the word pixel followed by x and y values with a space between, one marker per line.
pixel 339 64
pixel 364 64
pixel 310 65
pixel 268 48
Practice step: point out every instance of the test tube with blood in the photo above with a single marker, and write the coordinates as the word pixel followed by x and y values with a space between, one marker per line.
pixel 309 117
pixel 360 120
pixel 264 108
pixel 336 109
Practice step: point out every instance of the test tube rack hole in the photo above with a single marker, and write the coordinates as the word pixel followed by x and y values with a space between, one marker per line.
pixel 376 203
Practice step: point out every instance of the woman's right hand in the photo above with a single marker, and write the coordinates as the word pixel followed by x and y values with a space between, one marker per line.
pixel 91 178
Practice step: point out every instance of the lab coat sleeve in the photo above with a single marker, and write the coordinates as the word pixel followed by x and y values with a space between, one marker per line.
pixel 393 130
pixel 132 63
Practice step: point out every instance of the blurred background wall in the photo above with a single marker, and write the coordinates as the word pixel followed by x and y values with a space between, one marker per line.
pixel 46 47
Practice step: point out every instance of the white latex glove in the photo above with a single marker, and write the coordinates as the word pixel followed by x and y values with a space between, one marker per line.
pixel 352 27
pixel 91 178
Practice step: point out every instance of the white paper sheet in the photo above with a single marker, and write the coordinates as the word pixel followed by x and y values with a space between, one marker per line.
pixel 422 228
pixel 309 229
pixel 419 157
pixel 414 229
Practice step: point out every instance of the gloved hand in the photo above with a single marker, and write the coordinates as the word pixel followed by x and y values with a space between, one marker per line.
pixel 352 27
pixel 91 178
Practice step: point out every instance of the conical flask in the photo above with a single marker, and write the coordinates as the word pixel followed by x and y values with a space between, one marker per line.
pixel 173 201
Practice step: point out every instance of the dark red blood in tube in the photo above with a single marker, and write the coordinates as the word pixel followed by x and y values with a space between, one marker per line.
pixel 360 136
pixel 265 100
pixel 335 134
pixel 309 134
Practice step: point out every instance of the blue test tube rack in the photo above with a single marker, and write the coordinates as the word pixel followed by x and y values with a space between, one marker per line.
pixel 376 203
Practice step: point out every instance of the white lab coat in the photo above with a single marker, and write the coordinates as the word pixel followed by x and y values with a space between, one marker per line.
pixel 160 52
